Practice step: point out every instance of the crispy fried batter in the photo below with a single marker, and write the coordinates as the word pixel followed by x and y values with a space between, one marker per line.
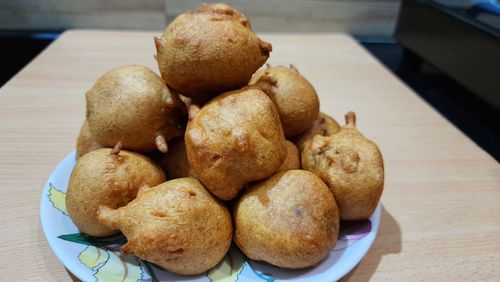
pixel 175 162
pixel 177 225
pixel 131 104
pixel 324 125
pixel 292 160
pixel 209 50
pixel 294 97
pixel 107 177
pixel 351 166
pixel 289 220
pixel 85 141
pixel 235 139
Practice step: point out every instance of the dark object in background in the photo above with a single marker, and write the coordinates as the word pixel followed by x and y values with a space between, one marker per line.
pixel 452 36
pixel 474 117
pixel 460 38
pixel 19 48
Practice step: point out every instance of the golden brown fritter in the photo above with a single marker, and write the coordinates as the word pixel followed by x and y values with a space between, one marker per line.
pixel 132 105
pixel 351 166
pixel 235 139
pixel 85 141
pixel 324 125
pixel 294 97
pixel 177 225
pixel 292 160
pixel 209 50
pixel 289 220
pixel 175 162
pixel 107 177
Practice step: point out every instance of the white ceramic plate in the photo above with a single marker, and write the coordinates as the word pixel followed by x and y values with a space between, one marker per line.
pixel 93 259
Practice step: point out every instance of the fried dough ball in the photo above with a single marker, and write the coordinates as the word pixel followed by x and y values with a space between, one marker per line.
pixel 235 139
pixel 177 225
pixel 209 50
pixel 292 160
pixel 294 97
pixel 175 162
pixel 324 125
pixel 132 105
pixel 107 177
pixel 289 220
pixel 85 141
pixel 351 166
pixel 186 100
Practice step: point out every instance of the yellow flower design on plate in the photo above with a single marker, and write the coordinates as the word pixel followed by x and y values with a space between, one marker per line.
pixel 228 269
pixel 111 266
pixel 58 199
pixel 92 257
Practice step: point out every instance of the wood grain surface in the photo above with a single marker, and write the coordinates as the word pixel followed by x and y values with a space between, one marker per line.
pixel 359 17
pixel 441 203
pixel 65 14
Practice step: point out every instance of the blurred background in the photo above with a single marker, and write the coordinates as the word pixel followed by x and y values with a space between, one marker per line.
pixel 447 51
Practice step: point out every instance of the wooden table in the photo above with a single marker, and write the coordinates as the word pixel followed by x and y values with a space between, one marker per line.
pixel 441 203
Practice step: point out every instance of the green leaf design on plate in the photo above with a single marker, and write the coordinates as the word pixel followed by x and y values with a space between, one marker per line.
pixel 118 268
pixel 85 239
pixel 228 269
pixel 151 271
pixel 93 257
pixel 58 199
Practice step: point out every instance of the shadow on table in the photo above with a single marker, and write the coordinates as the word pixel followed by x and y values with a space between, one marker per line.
pixel 388 241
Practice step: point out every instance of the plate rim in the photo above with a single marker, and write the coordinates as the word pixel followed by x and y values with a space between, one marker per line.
pixel 43 220
pixel 367 241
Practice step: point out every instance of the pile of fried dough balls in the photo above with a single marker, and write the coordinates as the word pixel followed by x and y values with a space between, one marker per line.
pixel 160 157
